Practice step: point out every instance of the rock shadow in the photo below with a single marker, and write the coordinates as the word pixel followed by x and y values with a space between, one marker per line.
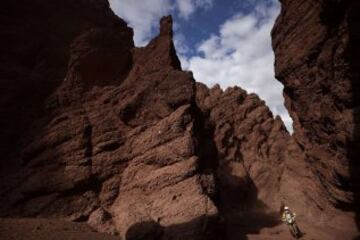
pixel 237 219
pixel 353 53
pixel 244 213
pixel 202 228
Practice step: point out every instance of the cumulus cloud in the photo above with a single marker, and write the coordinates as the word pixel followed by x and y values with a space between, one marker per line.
pixel 240 54
pixel 143 16
pixel 187 7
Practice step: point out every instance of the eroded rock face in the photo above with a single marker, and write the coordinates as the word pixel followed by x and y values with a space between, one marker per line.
pixel 121 138
pixel 314 44
pixel 35 52
pixel 249 145
pixel 116 144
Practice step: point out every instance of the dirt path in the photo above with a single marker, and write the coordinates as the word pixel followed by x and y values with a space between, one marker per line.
pixel 251 229
pixel 310 232
pixel 261 226
pixel 48 229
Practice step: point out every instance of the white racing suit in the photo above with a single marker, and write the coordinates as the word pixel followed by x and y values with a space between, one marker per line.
pixel 289 218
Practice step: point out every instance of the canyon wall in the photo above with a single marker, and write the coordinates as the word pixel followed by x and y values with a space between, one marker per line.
pixel 316 52
pixel 97 131
pixel 35 43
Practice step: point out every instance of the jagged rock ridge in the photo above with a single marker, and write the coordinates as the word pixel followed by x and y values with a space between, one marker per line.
pixel 126 141
pixel 116 144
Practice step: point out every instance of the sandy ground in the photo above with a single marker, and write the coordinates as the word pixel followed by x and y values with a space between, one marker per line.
pixel 253 229
pixel 48 229
pixel 259 226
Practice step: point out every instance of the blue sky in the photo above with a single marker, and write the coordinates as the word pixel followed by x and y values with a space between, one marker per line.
pixel 206 21
pixel 225 42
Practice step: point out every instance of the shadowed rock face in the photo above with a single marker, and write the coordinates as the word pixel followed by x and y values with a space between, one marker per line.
pixel 116 144
pixel 249 145
pixel 314 44
pixel 121 138
pixel 35 52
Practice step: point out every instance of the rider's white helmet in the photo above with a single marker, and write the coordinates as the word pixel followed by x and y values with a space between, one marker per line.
pixel 286 208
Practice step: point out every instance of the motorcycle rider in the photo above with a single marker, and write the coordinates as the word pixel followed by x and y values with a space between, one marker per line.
pixel 289 218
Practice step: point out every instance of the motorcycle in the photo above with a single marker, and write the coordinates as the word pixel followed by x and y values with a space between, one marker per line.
pixel 289 218
pixel 295 231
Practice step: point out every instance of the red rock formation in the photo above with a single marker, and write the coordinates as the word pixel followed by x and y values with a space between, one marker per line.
pixel 250 145
pixel 314 44
pixel 116 143
pixel 35 43
pixel 121 138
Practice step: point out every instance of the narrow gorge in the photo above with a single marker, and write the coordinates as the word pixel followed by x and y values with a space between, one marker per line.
pixel 104 140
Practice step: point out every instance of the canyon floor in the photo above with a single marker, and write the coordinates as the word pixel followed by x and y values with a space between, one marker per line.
pixel 250 229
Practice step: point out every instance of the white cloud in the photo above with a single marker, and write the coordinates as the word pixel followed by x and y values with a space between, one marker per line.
pixel 241 55
pixel 187 7
pixel 180 43
pixel 142 16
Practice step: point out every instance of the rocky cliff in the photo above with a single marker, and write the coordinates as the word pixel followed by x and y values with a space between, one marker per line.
pixel 316 52
pixel 116 143
pixel 100 132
